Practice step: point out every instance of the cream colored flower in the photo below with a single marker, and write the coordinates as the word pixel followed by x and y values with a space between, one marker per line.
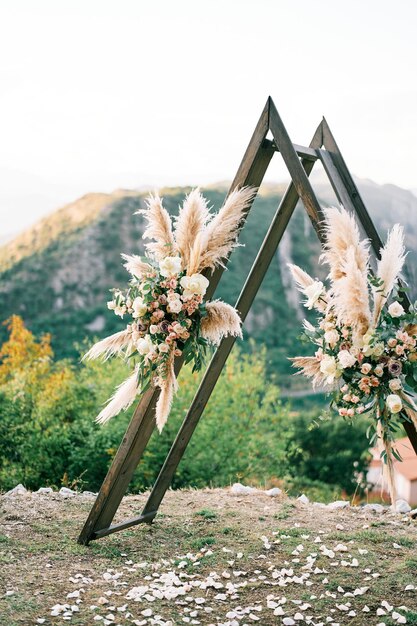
pixel 395 384
pixel 395 309
pixel 120 310
pixel 163 347
pixel 145 345
pixel 328 367
pixel 378 349
pixel 366 368
pixel 331 337
pixel 174 306
pixel 346 359
pixel 394 403
pixel 379 370
pixel 313 293
pixel 170 266
pixel 139 307
pixel 111 305
pixel 194 285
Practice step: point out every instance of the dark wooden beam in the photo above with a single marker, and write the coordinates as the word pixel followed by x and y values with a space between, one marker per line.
pixel 250 172
pixel 297 172
pixel 249 291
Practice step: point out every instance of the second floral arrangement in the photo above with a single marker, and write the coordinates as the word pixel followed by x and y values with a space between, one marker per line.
pixel 365 340
pixel 164 301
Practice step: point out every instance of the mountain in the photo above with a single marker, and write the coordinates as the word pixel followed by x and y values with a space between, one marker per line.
pixel 57 274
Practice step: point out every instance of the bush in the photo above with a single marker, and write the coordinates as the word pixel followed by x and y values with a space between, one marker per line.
pixel 48 435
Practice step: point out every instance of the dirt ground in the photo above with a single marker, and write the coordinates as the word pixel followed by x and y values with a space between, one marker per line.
pixel 210 557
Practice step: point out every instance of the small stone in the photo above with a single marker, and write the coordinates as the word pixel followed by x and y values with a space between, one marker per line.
pixel 19 490
pixel 272 493
pixel 413 513
pixel 45 490
pixel 89 494
pixel 288 621
pixel 339 504
pixel 66 493
pixel 303 498
pixel 409 588
pixel 242 490
pixel 375 507
pixel 401 506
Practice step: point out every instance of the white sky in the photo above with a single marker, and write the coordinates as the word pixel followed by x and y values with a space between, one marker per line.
pixel 100 94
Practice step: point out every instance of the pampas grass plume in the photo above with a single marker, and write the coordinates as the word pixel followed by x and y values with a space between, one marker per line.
pixel 221 320
pixel 109 346
pixel 159 228
pixel 136 266
pixel 389 267
pixel 121 399
pixel 190 222
pixel 219 236
pixel 169 387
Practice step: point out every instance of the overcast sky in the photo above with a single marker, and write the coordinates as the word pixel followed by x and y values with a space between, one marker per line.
pixel 101 94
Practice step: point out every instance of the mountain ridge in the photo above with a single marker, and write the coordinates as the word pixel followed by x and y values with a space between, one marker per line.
pixel 57 274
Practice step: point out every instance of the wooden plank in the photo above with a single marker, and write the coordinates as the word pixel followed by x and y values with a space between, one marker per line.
pixel 336 181
pixel 303 151
pixel 359 207
pixel 252 284
pixel 352 190
pixel 251 172
pixel 134 521
pixel 295 168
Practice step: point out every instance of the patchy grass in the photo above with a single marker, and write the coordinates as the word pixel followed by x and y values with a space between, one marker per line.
pixel 251 556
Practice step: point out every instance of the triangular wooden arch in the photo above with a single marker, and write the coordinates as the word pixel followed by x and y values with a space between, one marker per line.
pixel 299 161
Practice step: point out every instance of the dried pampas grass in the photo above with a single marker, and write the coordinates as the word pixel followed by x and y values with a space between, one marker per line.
pixel 136 266
pixel 389 267
pixel 169 387
pixel 387 467
pixel 114 344
pixel 121 399
pixel 341 233
pixel 221 320
pixel 309 366
pixel 350 296
pixel 410 410
pixel 190 222
pixel 301 277
pixel 159 228
pixel 219 236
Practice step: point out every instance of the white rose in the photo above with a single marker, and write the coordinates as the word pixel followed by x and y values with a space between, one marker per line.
pixel 313 293
pixel 145 345
pixel 394 403
pixel 139 307
pixel 170 266
pixel 153 328
pixel 111 305
pixel 395 309
pixel 163 347
pixel 378 349
pixel 395 384
pixel 196 284
pixel 346 359
pixel 120 310
pixel 331 337
pixel 174 306
pixel 328 367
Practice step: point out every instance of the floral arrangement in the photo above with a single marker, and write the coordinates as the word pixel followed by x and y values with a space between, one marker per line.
pixel 366 342
pixel 164 301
